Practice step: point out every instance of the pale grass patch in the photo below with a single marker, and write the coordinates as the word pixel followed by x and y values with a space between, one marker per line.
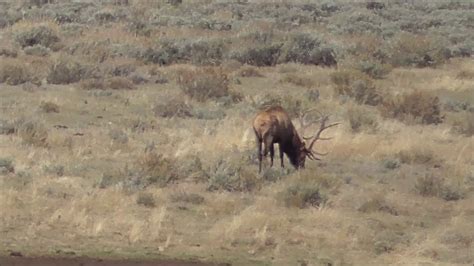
pixel 23 24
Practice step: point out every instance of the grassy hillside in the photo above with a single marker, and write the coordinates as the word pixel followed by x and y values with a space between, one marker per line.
pixel 125 130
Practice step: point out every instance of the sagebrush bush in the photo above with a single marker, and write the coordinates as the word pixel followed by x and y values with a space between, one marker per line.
pixel 200 52
pixel 203 52
pixel 120 83
pixel 146 199
pixel 434 186
pixel 356 85
pixel 174 108
pixel 418 50
pixel 167 53
pixel 205 83
pixel 6 127
pixel 8 52
pixel 262 55
pixel 463 123
pixel 418 106
pixel 303 195
pixel 7 164
pixel 14 73
pixel 156 169
pixel 33 133
pixel 306 49
pixel 37 50
pixel 374 69
pixel 362 119
pixel 67 71
pixel 40 35
pixel 234 172
pixel 49 107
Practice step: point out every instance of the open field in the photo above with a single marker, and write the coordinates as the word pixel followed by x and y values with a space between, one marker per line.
pixel 125 131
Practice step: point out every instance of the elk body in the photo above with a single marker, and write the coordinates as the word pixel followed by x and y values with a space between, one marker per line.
pixel 273 125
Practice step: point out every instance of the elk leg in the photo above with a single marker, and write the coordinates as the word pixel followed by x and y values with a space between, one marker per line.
pixel 281 157
pixel 268 144
pixel 259 144
pixel 272 154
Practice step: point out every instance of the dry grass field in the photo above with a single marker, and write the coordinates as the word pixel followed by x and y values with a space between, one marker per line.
pixel 125 131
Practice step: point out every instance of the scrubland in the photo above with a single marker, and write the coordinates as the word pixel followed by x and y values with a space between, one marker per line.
pixel 125 131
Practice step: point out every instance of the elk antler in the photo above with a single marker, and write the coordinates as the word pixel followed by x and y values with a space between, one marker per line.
pixel 302 118
pixel 311 153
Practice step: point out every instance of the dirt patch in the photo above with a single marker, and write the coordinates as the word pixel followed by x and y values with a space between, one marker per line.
pixel 43 261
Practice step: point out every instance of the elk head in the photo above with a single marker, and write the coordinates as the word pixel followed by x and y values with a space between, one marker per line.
pixel 307 150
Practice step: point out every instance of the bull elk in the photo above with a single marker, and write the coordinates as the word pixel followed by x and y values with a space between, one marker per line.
pixel 273 125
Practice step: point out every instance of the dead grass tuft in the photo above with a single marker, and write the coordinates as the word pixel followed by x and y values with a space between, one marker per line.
pixel 356 85
pixel 49 107
pixel 418 106
pixel 14 72
pixel 249 71
pixel 146 199
pixel 297 80
pixel 34 133
pixel 206 83
pixel 120 83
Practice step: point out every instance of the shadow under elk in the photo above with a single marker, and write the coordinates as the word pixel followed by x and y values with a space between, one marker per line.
pixel 273 125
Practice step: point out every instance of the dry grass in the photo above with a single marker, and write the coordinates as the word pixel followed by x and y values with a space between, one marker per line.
pixel 278 219
pixel 110 168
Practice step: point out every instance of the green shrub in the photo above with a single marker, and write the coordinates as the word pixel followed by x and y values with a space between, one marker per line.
pixel 6 165
pixel 37 50
pixel 374 69
pixel 203 52
pixel 263 55
pixel 233 173
pixel 40 35
pixel 418 106
pixel 306 49
pixel 167 53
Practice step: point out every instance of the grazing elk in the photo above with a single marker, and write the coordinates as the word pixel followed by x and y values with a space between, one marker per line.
pixel 273 125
